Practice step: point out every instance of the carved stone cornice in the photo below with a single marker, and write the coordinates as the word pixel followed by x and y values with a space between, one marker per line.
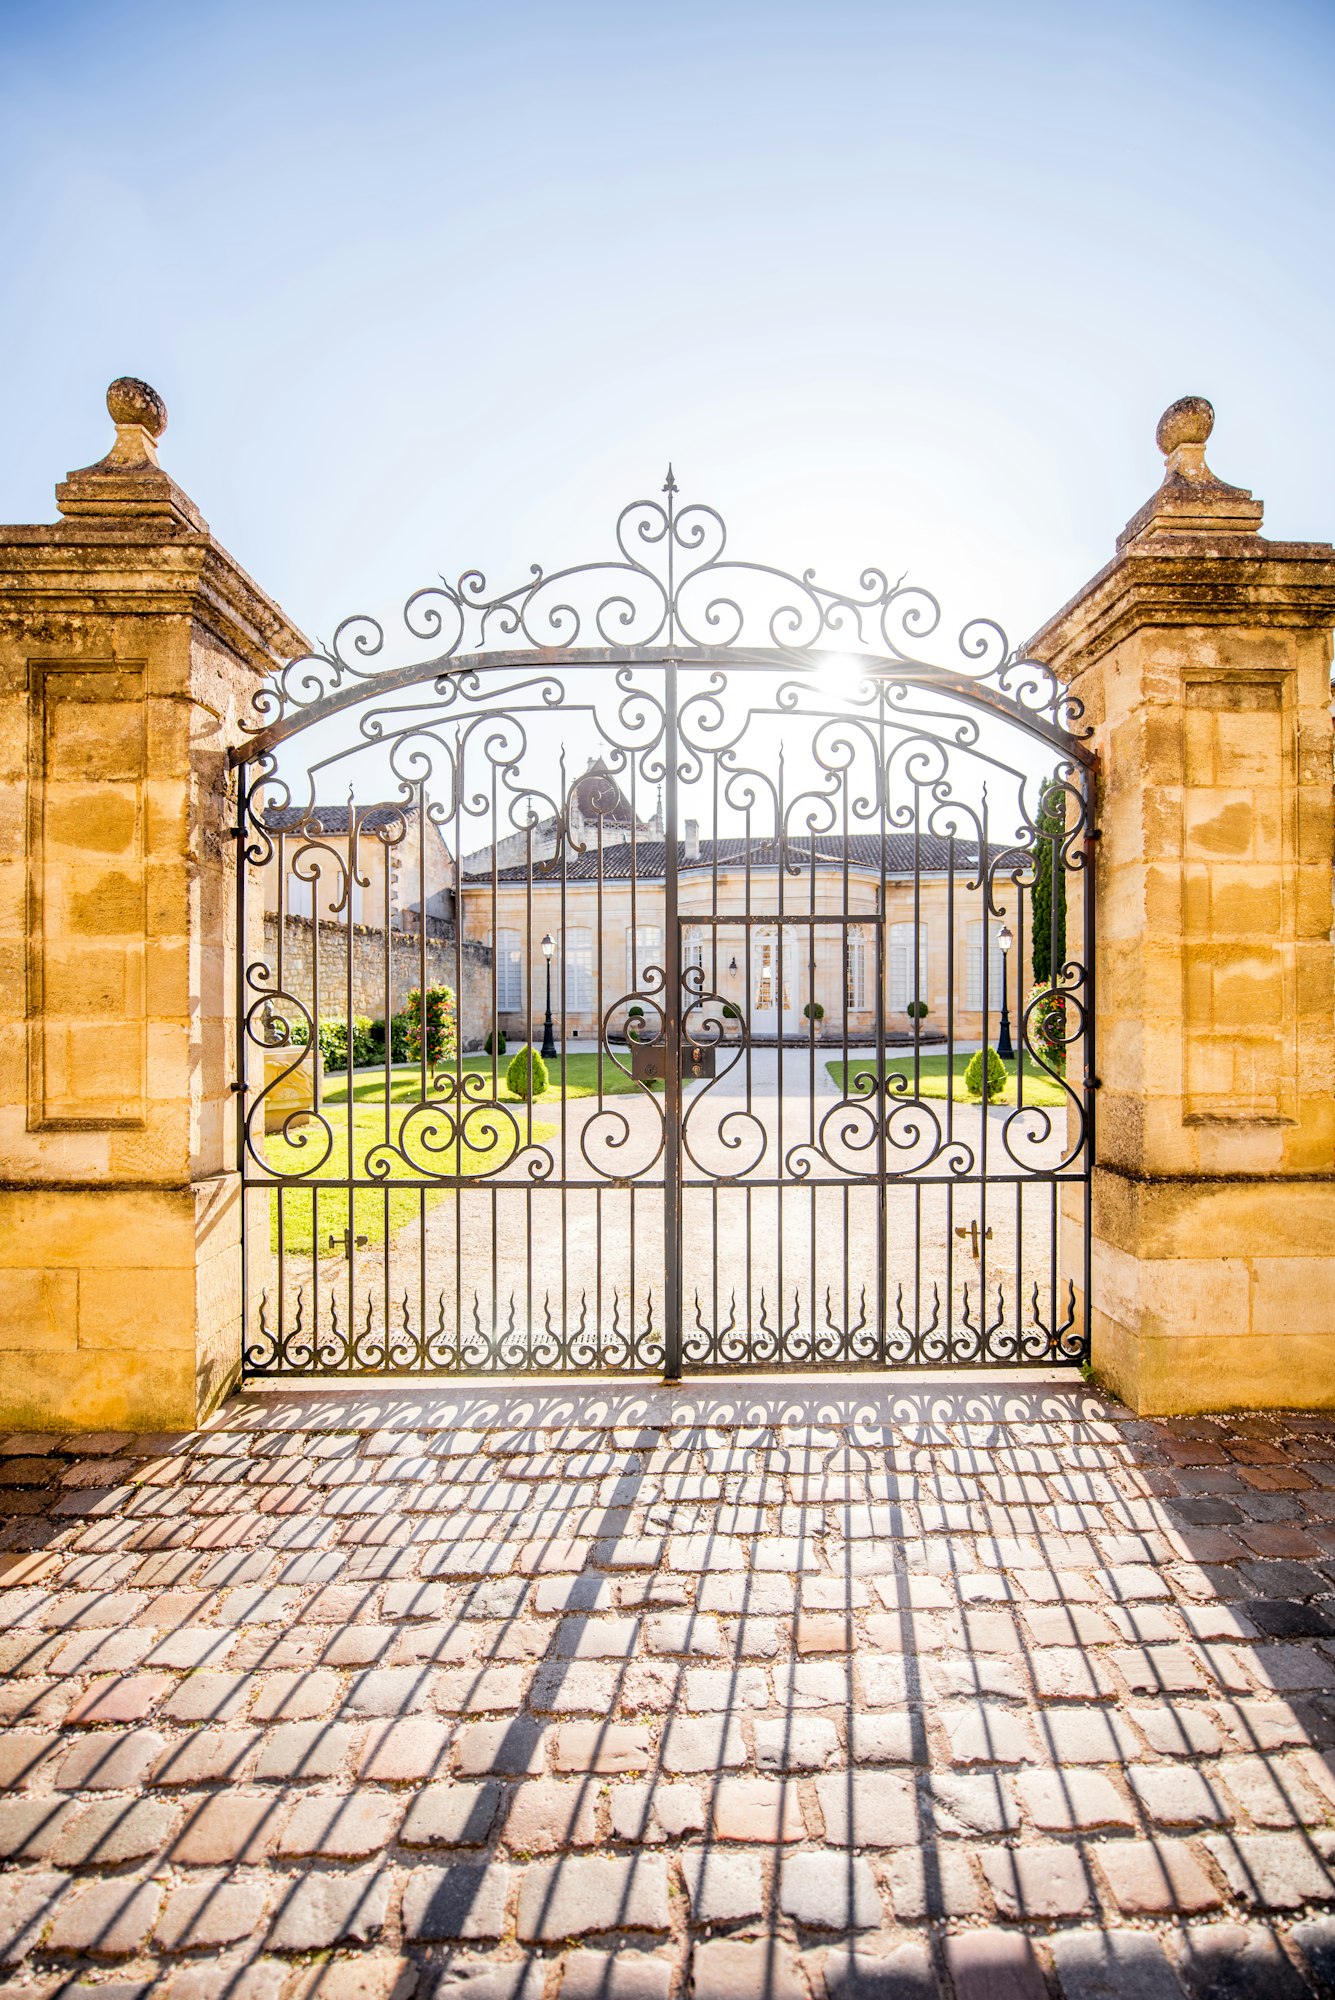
pixel 84 570
pixel 1192 580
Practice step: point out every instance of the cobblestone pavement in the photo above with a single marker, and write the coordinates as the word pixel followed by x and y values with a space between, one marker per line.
pixel 812 1689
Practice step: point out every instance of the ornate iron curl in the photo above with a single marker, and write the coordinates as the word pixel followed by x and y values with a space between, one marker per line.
pixel 672 580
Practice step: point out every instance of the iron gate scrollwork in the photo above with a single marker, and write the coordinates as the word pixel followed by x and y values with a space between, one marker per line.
pixel 766 884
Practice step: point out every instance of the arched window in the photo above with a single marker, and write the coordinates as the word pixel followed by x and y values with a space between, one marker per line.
pixel 996 968
pixel 578 955
pixel 908 970
pixel 508 961
pixel 644 947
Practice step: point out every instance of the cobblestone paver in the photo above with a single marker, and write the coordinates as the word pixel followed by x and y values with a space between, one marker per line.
pixel 826 1690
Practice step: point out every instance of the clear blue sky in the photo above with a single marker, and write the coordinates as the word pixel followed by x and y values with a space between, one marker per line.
pixel 433 285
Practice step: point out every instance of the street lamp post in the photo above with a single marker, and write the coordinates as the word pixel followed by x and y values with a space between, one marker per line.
pixel 1004 1049
pixel 548 1044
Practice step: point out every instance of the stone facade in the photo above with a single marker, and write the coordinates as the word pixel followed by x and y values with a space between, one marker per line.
pixel 602 919
pixel 1202 654
pixel 444 963
pixel 130 644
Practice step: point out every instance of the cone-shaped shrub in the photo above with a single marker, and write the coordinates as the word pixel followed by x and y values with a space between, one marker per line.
pixel 996 1076
pixel 527 1074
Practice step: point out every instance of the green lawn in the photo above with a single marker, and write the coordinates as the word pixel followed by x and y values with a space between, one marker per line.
pixel 288 1156
pixel 580 1078
pixel 1038 1087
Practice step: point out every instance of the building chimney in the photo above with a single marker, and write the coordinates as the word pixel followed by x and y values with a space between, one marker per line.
pixel 692 840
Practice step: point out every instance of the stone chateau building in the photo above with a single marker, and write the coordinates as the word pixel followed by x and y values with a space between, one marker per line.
pixel 599 895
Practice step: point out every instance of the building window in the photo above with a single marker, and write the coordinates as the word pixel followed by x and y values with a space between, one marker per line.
pixel 508 965
pixel 996 969
pixel 299 899
pixel 693 960
pixel 774 973
pixel 907 983
pixel 644 948
pixel 855 971
pixel 578 955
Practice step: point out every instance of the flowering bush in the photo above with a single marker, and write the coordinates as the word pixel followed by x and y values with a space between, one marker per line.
pixel 1047 1026
pixel 441 1028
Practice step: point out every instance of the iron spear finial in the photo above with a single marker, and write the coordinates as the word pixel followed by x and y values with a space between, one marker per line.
pixel 669 484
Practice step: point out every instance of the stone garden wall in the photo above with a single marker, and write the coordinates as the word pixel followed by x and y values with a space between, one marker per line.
pixel 473 1004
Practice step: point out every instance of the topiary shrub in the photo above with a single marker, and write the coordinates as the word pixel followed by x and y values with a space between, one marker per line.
pixel 996 1076
pixel 813 1011
pixel 495 1042
pixel 527 1075
pixel 916 1010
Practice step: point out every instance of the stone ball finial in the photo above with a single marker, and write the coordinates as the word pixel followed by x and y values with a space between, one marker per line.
pixel 1189 420
pixel 130 401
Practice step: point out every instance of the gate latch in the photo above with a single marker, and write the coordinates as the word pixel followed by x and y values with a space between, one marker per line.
pixel 346 1241
pixel 648 1061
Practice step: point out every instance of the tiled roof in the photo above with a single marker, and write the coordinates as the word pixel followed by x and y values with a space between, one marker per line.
pixel 335 819
pixel 645 859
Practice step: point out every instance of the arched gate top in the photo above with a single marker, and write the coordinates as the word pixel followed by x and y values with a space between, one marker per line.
pixel 672 591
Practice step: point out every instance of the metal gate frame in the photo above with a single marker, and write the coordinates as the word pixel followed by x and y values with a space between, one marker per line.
pixel 991 680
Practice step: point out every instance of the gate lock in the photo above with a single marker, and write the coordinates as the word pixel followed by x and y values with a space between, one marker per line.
pixel 648 1061
pixel 971 1230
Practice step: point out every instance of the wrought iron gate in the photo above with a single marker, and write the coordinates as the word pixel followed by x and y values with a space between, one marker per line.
pixel 763 883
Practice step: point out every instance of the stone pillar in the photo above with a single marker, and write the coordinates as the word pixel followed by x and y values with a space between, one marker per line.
pixel 1202 654
pixel 130 646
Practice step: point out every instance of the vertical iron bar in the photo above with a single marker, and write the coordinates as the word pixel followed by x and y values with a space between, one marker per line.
pixel 563 895
pixel 422 1057
pixel 389 1016
pixel 882 1099
pixel 243 1053
pixel 672 1193
pixel 985 1118
pixel 350 1242
pixel 1090 955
